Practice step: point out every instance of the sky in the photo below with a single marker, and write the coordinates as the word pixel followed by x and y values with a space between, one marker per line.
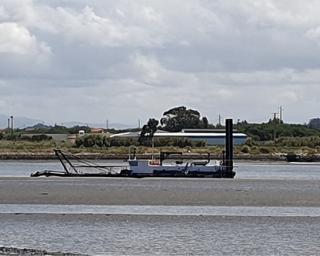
pixel 124 60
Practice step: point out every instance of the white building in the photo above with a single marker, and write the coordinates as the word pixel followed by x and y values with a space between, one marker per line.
pixel 211 137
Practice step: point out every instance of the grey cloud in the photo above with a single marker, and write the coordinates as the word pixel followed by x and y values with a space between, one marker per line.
pixel 126 60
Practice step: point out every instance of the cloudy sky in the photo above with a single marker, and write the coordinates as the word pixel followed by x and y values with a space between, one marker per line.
pixel 124 60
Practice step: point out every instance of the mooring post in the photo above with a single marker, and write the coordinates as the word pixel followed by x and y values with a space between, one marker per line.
pixel 229 145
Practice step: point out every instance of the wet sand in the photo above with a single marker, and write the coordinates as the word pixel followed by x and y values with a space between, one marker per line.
pixel 165 191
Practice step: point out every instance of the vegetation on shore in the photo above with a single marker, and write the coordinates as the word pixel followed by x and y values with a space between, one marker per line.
pixel 246 151
pixel 271 138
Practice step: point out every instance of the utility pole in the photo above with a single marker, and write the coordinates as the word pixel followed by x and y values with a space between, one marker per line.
pixel 274 125
pixel 139 123
pixel 107 124
pixel 11 117
pixel 280 114
pixel 219 122
pixel 8 124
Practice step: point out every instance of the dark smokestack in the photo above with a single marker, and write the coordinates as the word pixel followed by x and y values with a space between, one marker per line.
pixel 229 145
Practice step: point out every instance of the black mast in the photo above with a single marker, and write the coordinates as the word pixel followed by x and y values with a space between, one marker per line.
pixel 229 145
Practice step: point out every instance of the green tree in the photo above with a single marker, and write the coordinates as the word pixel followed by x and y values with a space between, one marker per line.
pixel 148 131
pixel 89 141
pixel 205 122
pixel 178 118
pixel 265 131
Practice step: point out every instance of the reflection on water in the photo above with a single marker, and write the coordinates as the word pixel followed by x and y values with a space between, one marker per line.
pixel 244 170
pixel 161 210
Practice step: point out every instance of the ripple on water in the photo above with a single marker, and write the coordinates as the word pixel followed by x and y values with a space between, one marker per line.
pixel 161 210
pixel 162 235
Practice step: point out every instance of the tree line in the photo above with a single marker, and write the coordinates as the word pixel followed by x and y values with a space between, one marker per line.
pixel 176 119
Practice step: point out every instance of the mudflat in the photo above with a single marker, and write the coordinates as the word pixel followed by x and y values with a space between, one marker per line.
pixel 159 191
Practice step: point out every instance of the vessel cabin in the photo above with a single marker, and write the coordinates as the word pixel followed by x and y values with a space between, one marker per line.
pixel 152 167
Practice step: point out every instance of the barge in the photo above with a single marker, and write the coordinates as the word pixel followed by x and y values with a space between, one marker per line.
pixel 149 168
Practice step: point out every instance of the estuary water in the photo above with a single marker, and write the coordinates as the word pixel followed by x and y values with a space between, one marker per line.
pixel 162 235
pixel 244 170
pixel 165 230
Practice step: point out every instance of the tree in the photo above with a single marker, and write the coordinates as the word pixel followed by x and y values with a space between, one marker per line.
pixel 178 118
pixel 205 122
pixel 148 130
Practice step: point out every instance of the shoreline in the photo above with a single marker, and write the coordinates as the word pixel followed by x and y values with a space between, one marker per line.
pixel 99 156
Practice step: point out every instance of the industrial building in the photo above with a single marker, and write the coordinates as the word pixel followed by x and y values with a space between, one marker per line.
pixel 210 136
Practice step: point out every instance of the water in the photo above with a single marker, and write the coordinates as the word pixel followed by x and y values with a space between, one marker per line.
pixel 275 170
pixel 245 170
pixel 23 168
pixel 247 211
pixel 162 235
pixel 165 230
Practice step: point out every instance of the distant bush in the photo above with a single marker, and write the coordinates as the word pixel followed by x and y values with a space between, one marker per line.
pixel 199 144
pixel 103 141
pixel 40 137
pixel 12 136
pixel 311 141
pixel 251 141
pixel 89 141
pixel 178 142
pixel 86 141
pixel 264 150
pixel 36 137
pixel 126 142
pixel 245 149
